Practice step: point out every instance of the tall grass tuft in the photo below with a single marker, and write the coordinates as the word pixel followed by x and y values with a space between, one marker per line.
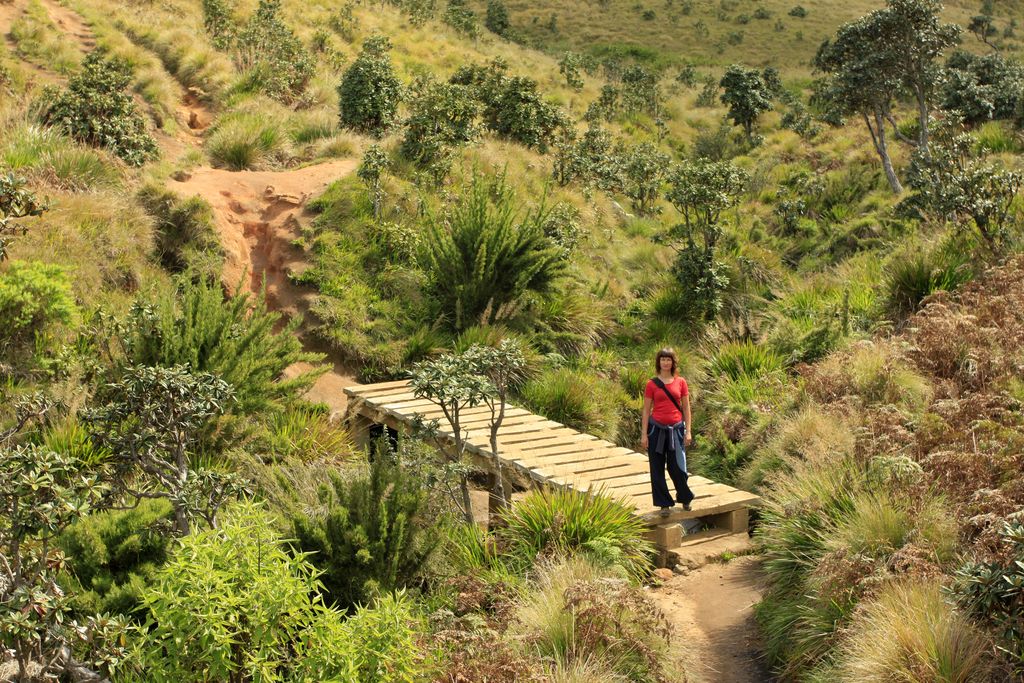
pixel 248 140
pixel 577 399
pixel 564 521
pixel 908 279
pixel 48 155
pixel 910 633
pixel 736 360
pixel 581 620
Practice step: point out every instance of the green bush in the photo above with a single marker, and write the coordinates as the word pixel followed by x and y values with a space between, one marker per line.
pixel 564 521
pixel 512 106
pixel 486 256
pixel 369 92
pixel 992 592
pixel 114 556
pixel 234 339
pixel 187 239
pixel 270 55
pixel 34 298
pixel 496 20
pixel 232 604
pixel 579 400
pixel 376 535
pixel 442 116
pixel 97 108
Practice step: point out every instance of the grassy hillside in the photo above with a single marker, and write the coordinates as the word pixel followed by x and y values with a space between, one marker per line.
pixel 850 351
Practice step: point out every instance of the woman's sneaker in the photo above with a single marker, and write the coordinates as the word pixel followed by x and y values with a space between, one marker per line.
pixel 665 511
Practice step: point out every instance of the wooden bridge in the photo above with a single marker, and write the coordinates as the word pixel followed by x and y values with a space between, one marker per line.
pixel 536 451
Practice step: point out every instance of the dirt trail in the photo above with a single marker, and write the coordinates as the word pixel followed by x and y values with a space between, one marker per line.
pixel 712 611
pixel 73 26
pixel 258 214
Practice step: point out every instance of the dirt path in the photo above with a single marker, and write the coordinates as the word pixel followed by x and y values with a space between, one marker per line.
pixel 258 214
pixel 712 611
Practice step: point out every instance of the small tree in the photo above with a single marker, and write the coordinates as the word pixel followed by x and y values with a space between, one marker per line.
pixel 459 16
pixel 592 159
pixel 984 28
pixel 451 383
pixel 442 118
pixel 701 191
pixel 640 90
pixel 496 20
pixel 371 171
pixel 643 173
pixel 274 59
pixel 42 493
pixel 606 106
pixel 955 182
pixel 369 92
pixel 747 96
pixel 505 366
pixel 569 66
pixel 151 420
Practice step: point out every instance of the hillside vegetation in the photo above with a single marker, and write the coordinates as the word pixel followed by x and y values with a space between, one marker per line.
pixel 817 204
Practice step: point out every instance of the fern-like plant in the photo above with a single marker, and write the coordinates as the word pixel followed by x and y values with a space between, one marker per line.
pixel 376 535
pixel 235 339
pixel 485 256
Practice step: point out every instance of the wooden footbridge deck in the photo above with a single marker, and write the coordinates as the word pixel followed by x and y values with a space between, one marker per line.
pixel 536 451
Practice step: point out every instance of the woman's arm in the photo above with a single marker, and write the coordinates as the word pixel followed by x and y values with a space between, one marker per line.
pixel 686 418
pixel 645 417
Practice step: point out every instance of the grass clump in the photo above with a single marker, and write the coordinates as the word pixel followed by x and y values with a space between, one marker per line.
pixel 577 399
pixel 563 521
pixel 47 155
pixel 186 237
pixel 911 633
pixel 249 139
pixel 37 39
pixel 581 620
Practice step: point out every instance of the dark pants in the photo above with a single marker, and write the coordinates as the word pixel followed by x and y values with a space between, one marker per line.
pixel 659 488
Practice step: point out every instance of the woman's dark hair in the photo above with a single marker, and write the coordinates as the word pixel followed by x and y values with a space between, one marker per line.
pixel 666 352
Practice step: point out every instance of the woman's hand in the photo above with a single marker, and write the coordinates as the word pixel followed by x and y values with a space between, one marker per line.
pixel 689 439
pixel 643 441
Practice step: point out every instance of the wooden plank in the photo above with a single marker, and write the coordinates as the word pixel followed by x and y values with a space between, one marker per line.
pixel 702 508
pixel 484 422
pixel 559 436
pixel 597 471
pixel 376 388
pixel 581 457
pixel 515 431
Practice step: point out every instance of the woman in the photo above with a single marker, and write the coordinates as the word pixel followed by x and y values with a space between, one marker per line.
pixel 665 431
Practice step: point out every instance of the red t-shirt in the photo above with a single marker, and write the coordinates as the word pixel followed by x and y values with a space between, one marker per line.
pixel 664 412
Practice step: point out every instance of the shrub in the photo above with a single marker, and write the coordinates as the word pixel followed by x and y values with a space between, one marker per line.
pixel 460 17
pixel 496 20
pixel 248 140
pixel 34 297
pixel 115 555
pixel 231 604
pixel 910 633
pixel 234 339
pixel 15 202
pixel 376 535
pixel 746 94
pixel 272 57
pixel 442 116
pixel 486 256
pixel 512 106
pixel 578 617
pixel 992 592
pixel 579 400
pixel 369 92
pixel 565 521
pixel 97 109
pixel 982 87
pixel 186 237
pixel 798 11
pixel 880 525
pixel 644 170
